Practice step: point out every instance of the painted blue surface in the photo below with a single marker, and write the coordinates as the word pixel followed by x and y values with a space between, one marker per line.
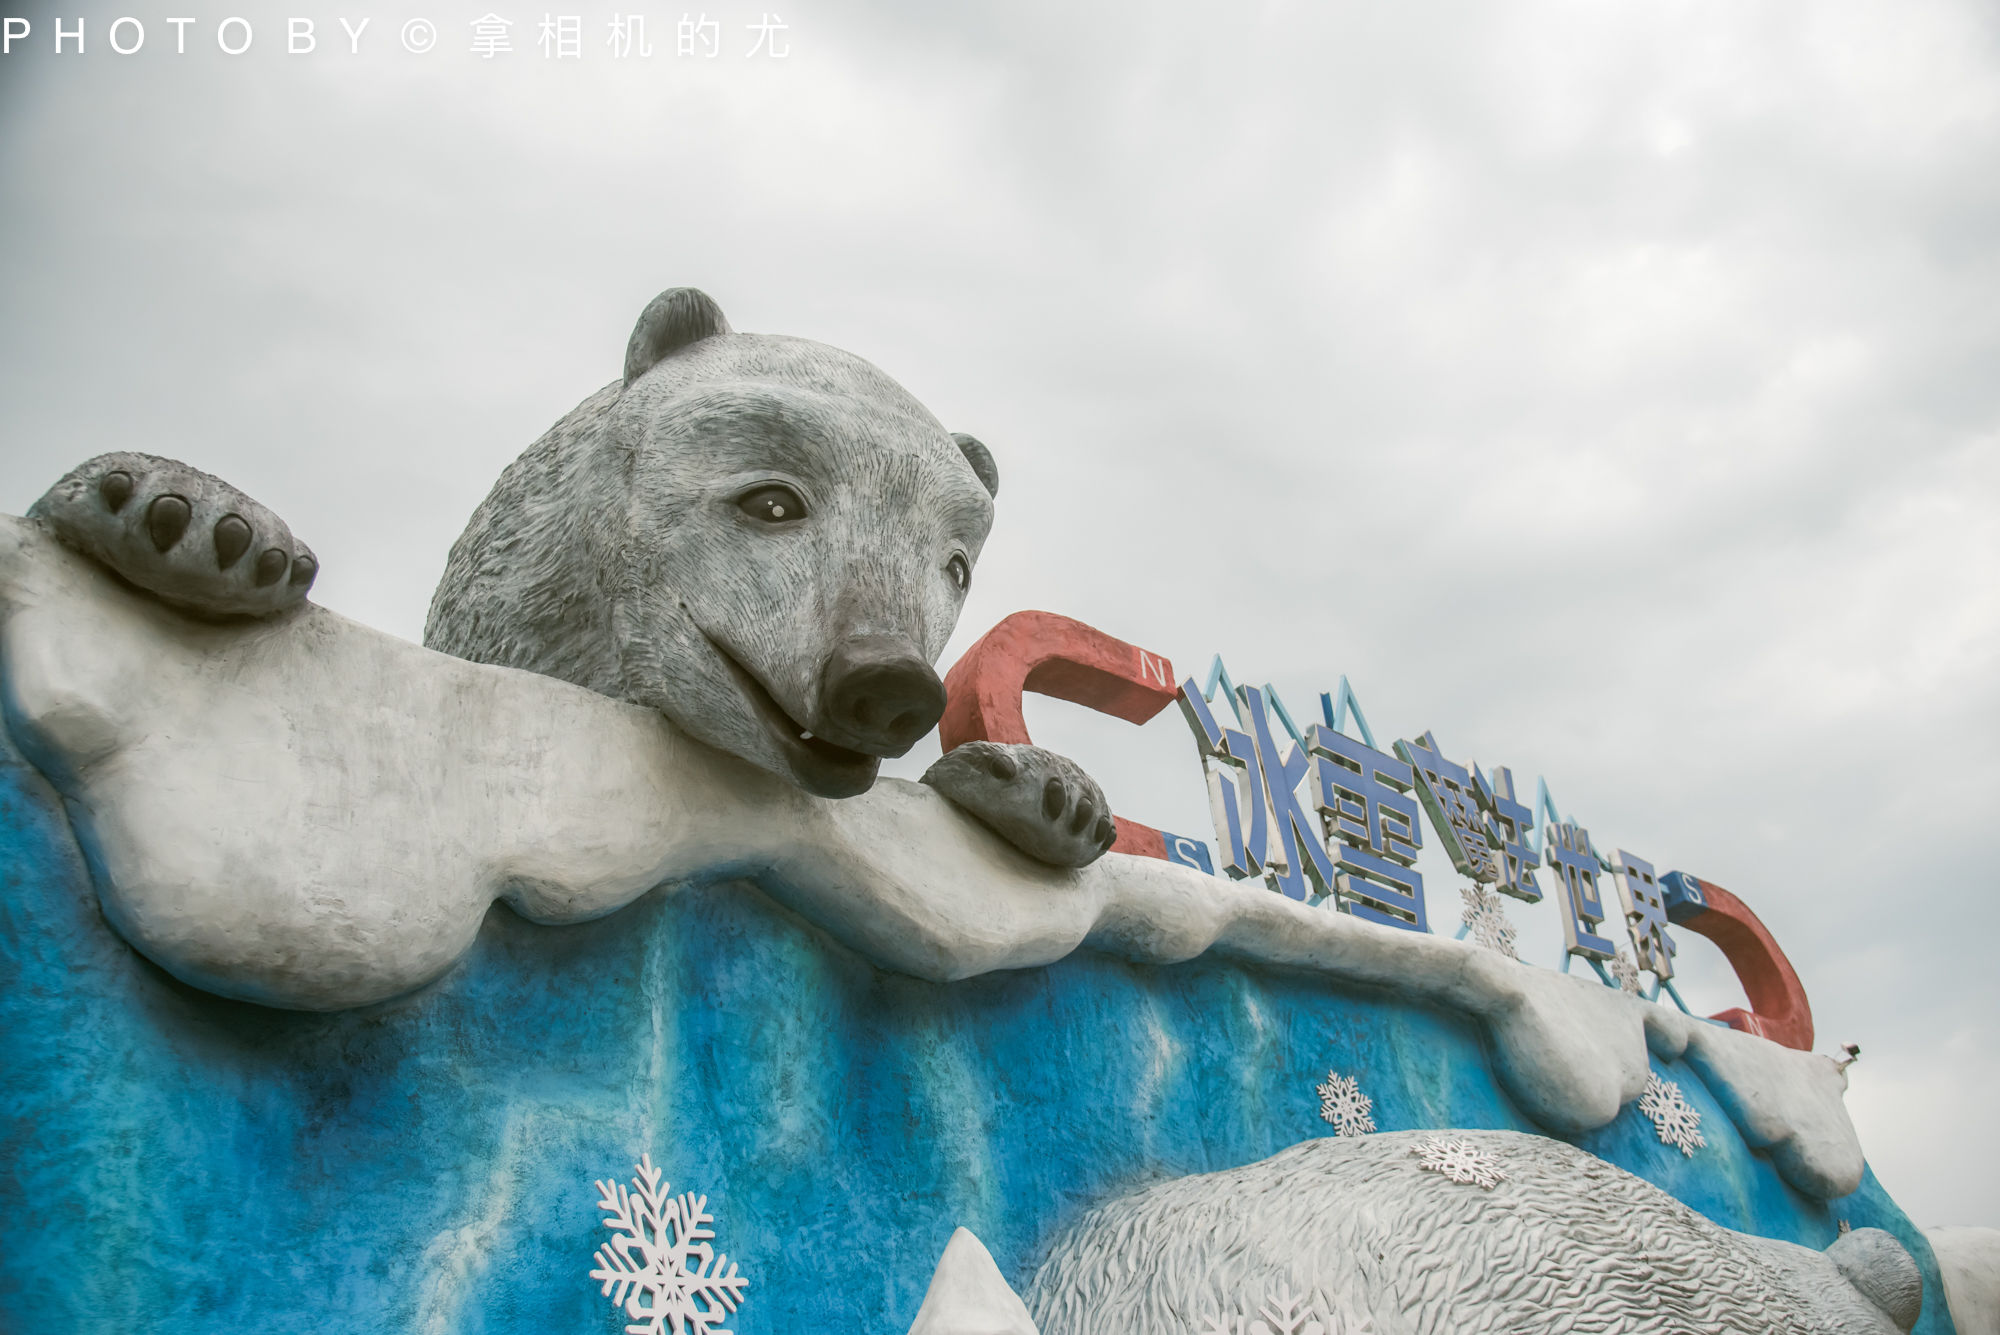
pixel 1188 852
pixel 177 1163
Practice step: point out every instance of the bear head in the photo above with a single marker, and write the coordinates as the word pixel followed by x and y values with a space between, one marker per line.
pixel 764 538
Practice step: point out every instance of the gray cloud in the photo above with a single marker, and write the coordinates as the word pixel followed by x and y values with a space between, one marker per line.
pixel 1608 389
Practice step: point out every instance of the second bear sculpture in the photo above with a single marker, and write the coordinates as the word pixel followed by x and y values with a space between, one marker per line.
pixel 764 538
pixel 1466 1233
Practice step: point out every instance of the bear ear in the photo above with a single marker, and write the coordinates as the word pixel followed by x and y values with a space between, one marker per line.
pixel 981 460
pixel 677 317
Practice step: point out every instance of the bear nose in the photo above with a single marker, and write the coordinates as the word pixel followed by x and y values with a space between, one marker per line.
pixel 879 695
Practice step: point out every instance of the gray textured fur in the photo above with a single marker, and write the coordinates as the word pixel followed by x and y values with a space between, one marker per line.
pixel 1376 1243
pixel 612 554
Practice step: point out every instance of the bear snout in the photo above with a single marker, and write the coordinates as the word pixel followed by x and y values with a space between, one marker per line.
pixel 879 695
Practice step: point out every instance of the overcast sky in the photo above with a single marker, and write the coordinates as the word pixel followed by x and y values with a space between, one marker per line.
pixel 1612 388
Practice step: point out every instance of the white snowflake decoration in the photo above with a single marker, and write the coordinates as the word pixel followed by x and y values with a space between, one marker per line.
pixel 1281 1315
pixel 1459 1160
pixel 1342 1103
pixel 1678 1124
pixel 1624 972
pixel 1485 920
pixel 659 1263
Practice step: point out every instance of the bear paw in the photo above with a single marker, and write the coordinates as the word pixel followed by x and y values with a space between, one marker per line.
pixel 177 532
pixel 1040 802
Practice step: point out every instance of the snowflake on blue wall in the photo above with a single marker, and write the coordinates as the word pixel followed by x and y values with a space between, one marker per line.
pixel 1342 1103
pixel 659 1263
pixel 1679 1125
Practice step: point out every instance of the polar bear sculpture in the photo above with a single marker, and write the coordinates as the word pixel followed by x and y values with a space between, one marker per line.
pixel 763 538
pixel 1348 1235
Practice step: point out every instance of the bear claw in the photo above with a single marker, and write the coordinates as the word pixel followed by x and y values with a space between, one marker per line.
pixel 1054 798
pixel 91 510
pixel 1086 812
pixel 1038 801
pixel 167 519
pixel 232 539
pixel 116 488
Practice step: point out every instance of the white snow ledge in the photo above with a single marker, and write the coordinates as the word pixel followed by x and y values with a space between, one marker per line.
pixel 312 814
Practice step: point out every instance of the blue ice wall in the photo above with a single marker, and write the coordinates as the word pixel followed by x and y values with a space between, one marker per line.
pixel 176 1163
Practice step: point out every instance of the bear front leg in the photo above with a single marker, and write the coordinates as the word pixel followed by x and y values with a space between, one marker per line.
pixel 1040 802
pixel 177 532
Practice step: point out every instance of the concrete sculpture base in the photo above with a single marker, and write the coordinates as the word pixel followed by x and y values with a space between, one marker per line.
pixel 311 814
pixel 191 1165
pixel 854 1026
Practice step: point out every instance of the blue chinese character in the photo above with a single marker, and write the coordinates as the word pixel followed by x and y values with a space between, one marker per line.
pixel 1298 859
pixel 1452 802
pixel 1363 799
pixel 1238 803
pixel 1262 828
pixel 1645 914
pixel 1508 821
pixel 1566 848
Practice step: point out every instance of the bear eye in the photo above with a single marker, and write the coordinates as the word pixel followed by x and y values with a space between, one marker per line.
pixel 773 503
pixel 960 571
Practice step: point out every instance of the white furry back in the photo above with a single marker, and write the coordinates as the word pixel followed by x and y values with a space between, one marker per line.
pixel 1372 1241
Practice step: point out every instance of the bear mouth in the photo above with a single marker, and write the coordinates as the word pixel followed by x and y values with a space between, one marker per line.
pixel 815 764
